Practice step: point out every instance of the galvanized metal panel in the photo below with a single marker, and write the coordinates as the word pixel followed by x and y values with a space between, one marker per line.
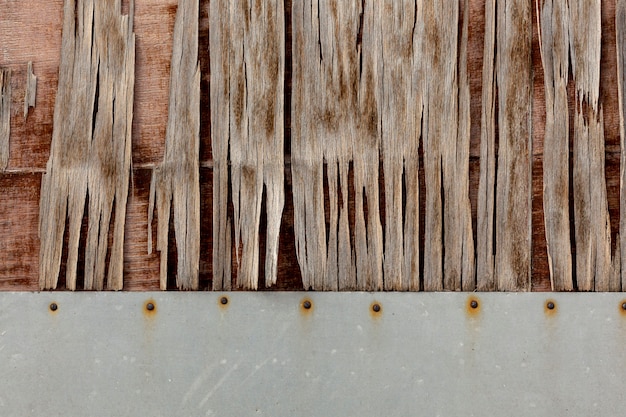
pixel 263 354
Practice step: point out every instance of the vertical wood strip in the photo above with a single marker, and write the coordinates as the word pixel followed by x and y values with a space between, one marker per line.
pixel 620 27
pixel 401 131
pixel 219 38
pixel 554 43
pixel 5 116
pixel 30 95
pixel 91 144
pixel 176 181
pixel 247 73
pixel 513 180
pixel 485 266
pixel 593 232
pixel 448 245
pixel 337 70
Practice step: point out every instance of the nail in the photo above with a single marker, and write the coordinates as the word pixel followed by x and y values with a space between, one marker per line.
pixel 550 305
pixel 376 308
pixel 306 304
pixel 53 307
pixel 224 300
pixel 150 306
pixel 474 304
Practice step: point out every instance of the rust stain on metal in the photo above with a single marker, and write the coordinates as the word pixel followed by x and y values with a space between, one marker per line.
pixel 53 308
pixel 149 308
pixel 306 306
pixel 550 308
pixel 472 306
pixel 376 309
pixel 622 307
pixel 223 302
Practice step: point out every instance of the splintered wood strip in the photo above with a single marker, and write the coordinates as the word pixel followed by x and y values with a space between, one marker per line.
pixel 485 267
pixel 31 89
pixel 335 116
pixel 247 96
pixel 620 28
pixel 401 130
pixel 219 38
pixel 91 145
pixel 593 231
pixel 5 116
pixel 513 180
pixel 448 242
pixel 176 181
pixel 554 43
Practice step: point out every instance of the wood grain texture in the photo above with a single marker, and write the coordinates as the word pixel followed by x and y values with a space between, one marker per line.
pixel 554 42
pixel 30 95
pixel 175 185
pixel 401 114
pixel 91 148
pixel 247 78
pixel 593 234
pixel 620 28
pixel 31 31
pixel 5 116
pixel 513 178
pixel 448 242
pixel 335 120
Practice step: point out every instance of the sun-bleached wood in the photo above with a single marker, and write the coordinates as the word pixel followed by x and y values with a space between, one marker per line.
pixel 5 116
pixel 593 230
pixel 485 266
pixel 554 43
pixel 620 29
pixel 513 208
pixel 30 95
pixel 401 115
pixel 175 184
pixel 247 114
pixel 91 145
pixel 336 120
pixel 448 241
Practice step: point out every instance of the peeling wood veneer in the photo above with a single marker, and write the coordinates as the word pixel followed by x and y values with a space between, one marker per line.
pixel 31 89
pixel 336 125
pixel 5 116
pixel 91 145
pixel 176 181
pixel 247 78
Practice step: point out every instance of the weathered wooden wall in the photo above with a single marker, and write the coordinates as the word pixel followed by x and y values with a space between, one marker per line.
pixel 31 31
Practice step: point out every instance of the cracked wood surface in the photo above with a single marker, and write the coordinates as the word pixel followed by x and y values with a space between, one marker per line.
pixel 89 165
pixel 5 116
pixel 175 185
pixel 31 31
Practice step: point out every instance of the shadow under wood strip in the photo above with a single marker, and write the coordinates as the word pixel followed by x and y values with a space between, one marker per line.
pixel 554 43
pixel 91 144
pixel 176 180
pixel 5 116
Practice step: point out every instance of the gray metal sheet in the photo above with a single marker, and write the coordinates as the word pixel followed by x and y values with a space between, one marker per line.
pixel 262 354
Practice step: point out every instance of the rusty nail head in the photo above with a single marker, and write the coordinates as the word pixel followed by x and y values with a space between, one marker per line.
pixel 150 306
pixel 376 307
pixel 224 300
pixel 474 304
pixel 624 305
pixel 550 305
pixel 306 304
pixel 53 306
